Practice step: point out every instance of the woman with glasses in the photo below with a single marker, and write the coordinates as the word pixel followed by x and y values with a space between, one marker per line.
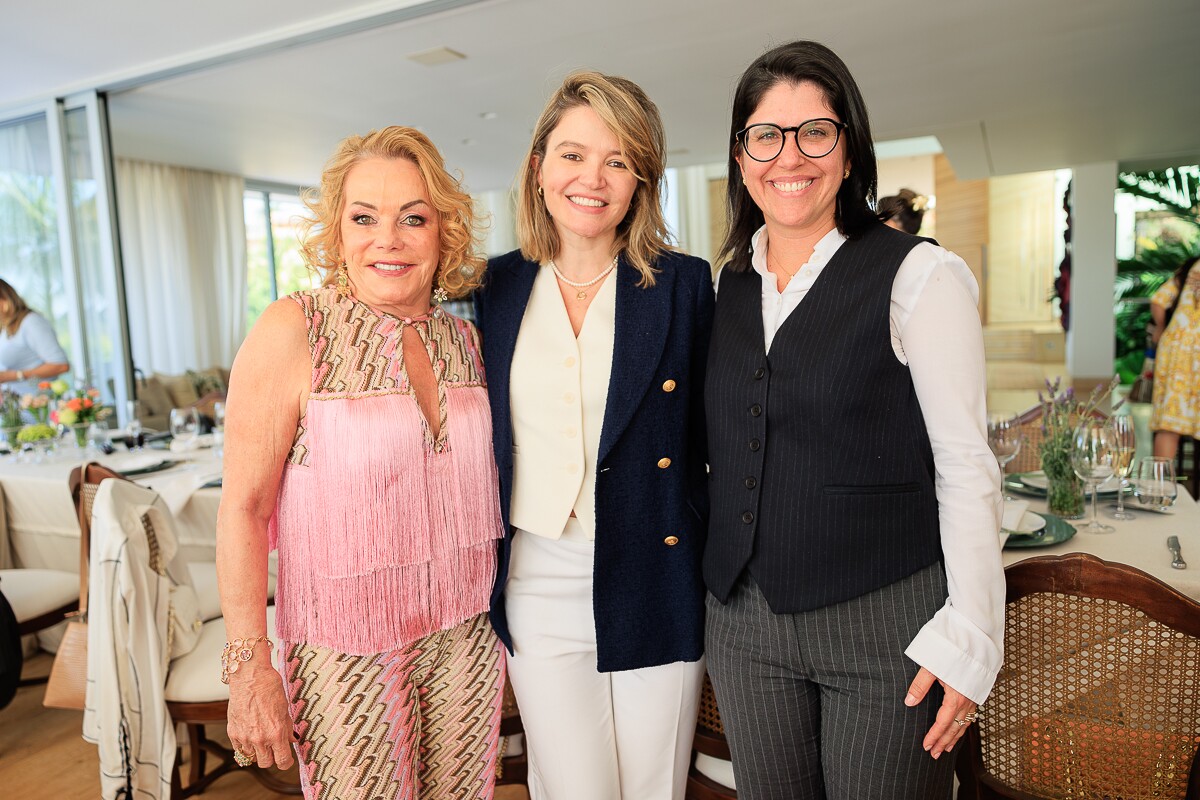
pixel 856 596
pixel 595 335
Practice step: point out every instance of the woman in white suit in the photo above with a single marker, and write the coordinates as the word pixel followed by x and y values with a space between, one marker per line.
pixel 595 337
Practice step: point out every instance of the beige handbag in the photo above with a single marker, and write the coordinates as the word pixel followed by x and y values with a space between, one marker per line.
pixel 67 686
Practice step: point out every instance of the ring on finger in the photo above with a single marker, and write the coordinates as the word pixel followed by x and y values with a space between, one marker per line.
pixel 242 759
pixel 968 718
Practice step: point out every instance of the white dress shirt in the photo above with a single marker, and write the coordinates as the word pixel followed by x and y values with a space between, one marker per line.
pixel 936 331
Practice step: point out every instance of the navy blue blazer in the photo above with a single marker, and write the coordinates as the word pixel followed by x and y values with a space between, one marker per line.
pixel 648 595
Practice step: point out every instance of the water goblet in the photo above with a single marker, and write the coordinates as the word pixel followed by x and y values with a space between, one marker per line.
pixel 1126 441
pixel 134 439
pixel 1004 437
pixel 219 428
pixel 185 425
pixel 1155 485
pixel 1093 454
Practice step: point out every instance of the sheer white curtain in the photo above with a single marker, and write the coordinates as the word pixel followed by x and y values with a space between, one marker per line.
pixel 183 243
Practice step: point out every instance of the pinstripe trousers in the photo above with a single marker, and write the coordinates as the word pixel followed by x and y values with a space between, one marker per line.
pixel 813 703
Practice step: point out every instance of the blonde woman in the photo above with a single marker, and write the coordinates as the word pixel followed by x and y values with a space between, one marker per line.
pixel 29 350
pixel 358 442
pixel 595 335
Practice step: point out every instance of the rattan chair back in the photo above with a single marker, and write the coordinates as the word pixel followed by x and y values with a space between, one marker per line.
pixel 1099 693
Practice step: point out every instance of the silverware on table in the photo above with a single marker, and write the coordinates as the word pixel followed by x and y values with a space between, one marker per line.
pixel 1176 554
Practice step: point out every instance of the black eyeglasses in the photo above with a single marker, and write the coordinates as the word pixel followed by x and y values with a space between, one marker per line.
pixel 816 138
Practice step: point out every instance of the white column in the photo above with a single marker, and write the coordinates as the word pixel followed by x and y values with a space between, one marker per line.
pixel 1091 346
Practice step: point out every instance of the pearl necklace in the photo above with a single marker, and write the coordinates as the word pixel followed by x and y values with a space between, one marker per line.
pixel 582 287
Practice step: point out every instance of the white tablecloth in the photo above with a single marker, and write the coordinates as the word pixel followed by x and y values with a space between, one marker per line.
pixel 1140 542
pixel 42 528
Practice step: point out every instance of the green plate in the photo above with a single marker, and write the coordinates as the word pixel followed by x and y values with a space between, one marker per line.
pixel 159 467
pixel 1057 531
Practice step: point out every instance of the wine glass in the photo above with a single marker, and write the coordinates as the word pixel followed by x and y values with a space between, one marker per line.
pixel 1122 425
pixel 133 427
pixel 1154 485
pixel 1004 437
pixel 219 428
pixel 1093 456
pixel 185 425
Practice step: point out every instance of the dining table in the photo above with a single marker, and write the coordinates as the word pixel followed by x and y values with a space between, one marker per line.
pixel 1139 542
pixel 43 531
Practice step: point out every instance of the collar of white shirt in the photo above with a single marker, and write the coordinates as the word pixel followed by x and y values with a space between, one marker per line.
pixel 804 277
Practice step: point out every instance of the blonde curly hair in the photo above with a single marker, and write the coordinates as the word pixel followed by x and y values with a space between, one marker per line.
pixel 460 267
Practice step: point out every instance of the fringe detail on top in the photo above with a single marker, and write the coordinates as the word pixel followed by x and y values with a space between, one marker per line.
pixel 381 540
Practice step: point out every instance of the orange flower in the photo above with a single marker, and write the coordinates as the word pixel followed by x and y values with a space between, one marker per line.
pixel 43 385
pixel 87 402
pixel 75 404
pixel 93 393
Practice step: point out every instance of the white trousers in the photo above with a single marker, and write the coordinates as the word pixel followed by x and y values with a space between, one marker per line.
pixel 590 735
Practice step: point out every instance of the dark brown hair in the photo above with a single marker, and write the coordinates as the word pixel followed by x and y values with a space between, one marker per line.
pixel 906 207
pixel 794 63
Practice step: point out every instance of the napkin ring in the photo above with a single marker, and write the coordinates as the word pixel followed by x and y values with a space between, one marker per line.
pixel 238 652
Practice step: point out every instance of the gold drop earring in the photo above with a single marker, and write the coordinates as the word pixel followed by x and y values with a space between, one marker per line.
pixel 343 281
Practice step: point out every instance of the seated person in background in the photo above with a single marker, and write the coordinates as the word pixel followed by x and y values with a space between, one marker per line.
pixel 29 350
pixel 903 211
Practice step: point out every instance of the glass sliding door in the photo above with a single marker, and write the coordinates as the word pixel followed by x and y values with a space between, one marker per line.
pixel 100 302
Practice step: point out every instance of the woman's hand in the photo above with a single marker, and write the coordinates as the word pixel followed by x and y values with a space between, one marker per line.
pixel 259 724
pixel 947 729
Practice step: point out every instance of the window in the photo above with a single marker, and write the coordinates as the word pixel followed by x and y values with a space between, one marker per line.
pixel 274 266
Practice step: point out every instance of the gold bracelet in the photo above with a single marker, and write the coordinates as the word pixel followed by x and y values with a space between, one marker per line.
pixel 237 652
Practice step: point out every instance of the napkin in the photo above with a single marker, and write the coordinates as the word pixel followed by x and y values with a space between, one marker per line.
pixel 177 486
pixel 198 443
pixel 1014 510
pixel 125 461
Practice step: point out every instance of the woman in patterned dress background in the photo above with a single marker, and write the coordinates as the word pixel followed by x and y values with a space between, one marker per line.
pixel 1175 308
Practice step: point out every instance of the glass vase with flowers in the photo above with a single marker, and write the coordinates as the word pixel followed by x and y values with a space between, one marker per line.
pixel 1061 414
pixel 10 418
pixel 78 409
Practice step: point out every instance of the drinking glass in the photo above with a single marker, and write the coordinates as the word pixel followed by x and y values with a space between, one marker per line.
pixel 134 439
pixel 1004 437
pixel 1123 462
pixel 218 430
pixel 1154 484
pixel 1093 457
pixel 185 425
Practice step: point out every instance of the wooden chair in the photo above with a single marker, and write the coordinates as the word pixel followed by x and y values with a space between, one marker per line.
pixel 512 768
pixel 708 743
pixel 1099 692
pixel 1029 457
pixel 193 693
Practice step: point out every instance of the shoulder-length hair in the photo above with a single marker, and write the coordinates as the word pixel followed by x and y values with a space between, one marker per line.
pixel 460 267
pixel 634 120
pixel 794 63
pixel 11 322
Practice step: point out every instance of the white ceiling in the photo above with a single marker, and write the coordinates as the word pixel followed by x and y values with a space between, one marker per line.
pixel 266 88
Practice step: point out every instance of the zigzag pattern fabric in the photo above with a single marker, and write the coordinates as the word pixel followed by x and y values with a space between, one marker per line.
pixel 414 723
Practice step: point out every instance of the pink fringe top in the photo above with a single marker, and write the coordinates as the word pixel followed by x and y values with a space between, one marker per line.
pixel 385 535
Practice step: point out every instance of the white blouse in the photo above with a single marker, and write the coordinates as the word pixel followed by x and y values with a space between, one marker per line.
pixel 936 331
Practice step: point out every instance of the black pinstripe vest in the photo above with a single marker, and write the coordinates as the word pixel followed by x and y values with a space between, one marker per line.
pixel 822 478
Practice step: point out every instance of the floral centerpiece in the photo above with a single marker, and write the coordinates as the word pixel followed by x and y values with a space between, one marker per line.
pixel 1061 413
pixel 39 406
pixel 77 409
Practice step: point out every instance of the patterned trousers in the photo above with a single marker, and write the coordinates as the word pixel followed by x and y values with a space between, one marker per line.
pixel 418 722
